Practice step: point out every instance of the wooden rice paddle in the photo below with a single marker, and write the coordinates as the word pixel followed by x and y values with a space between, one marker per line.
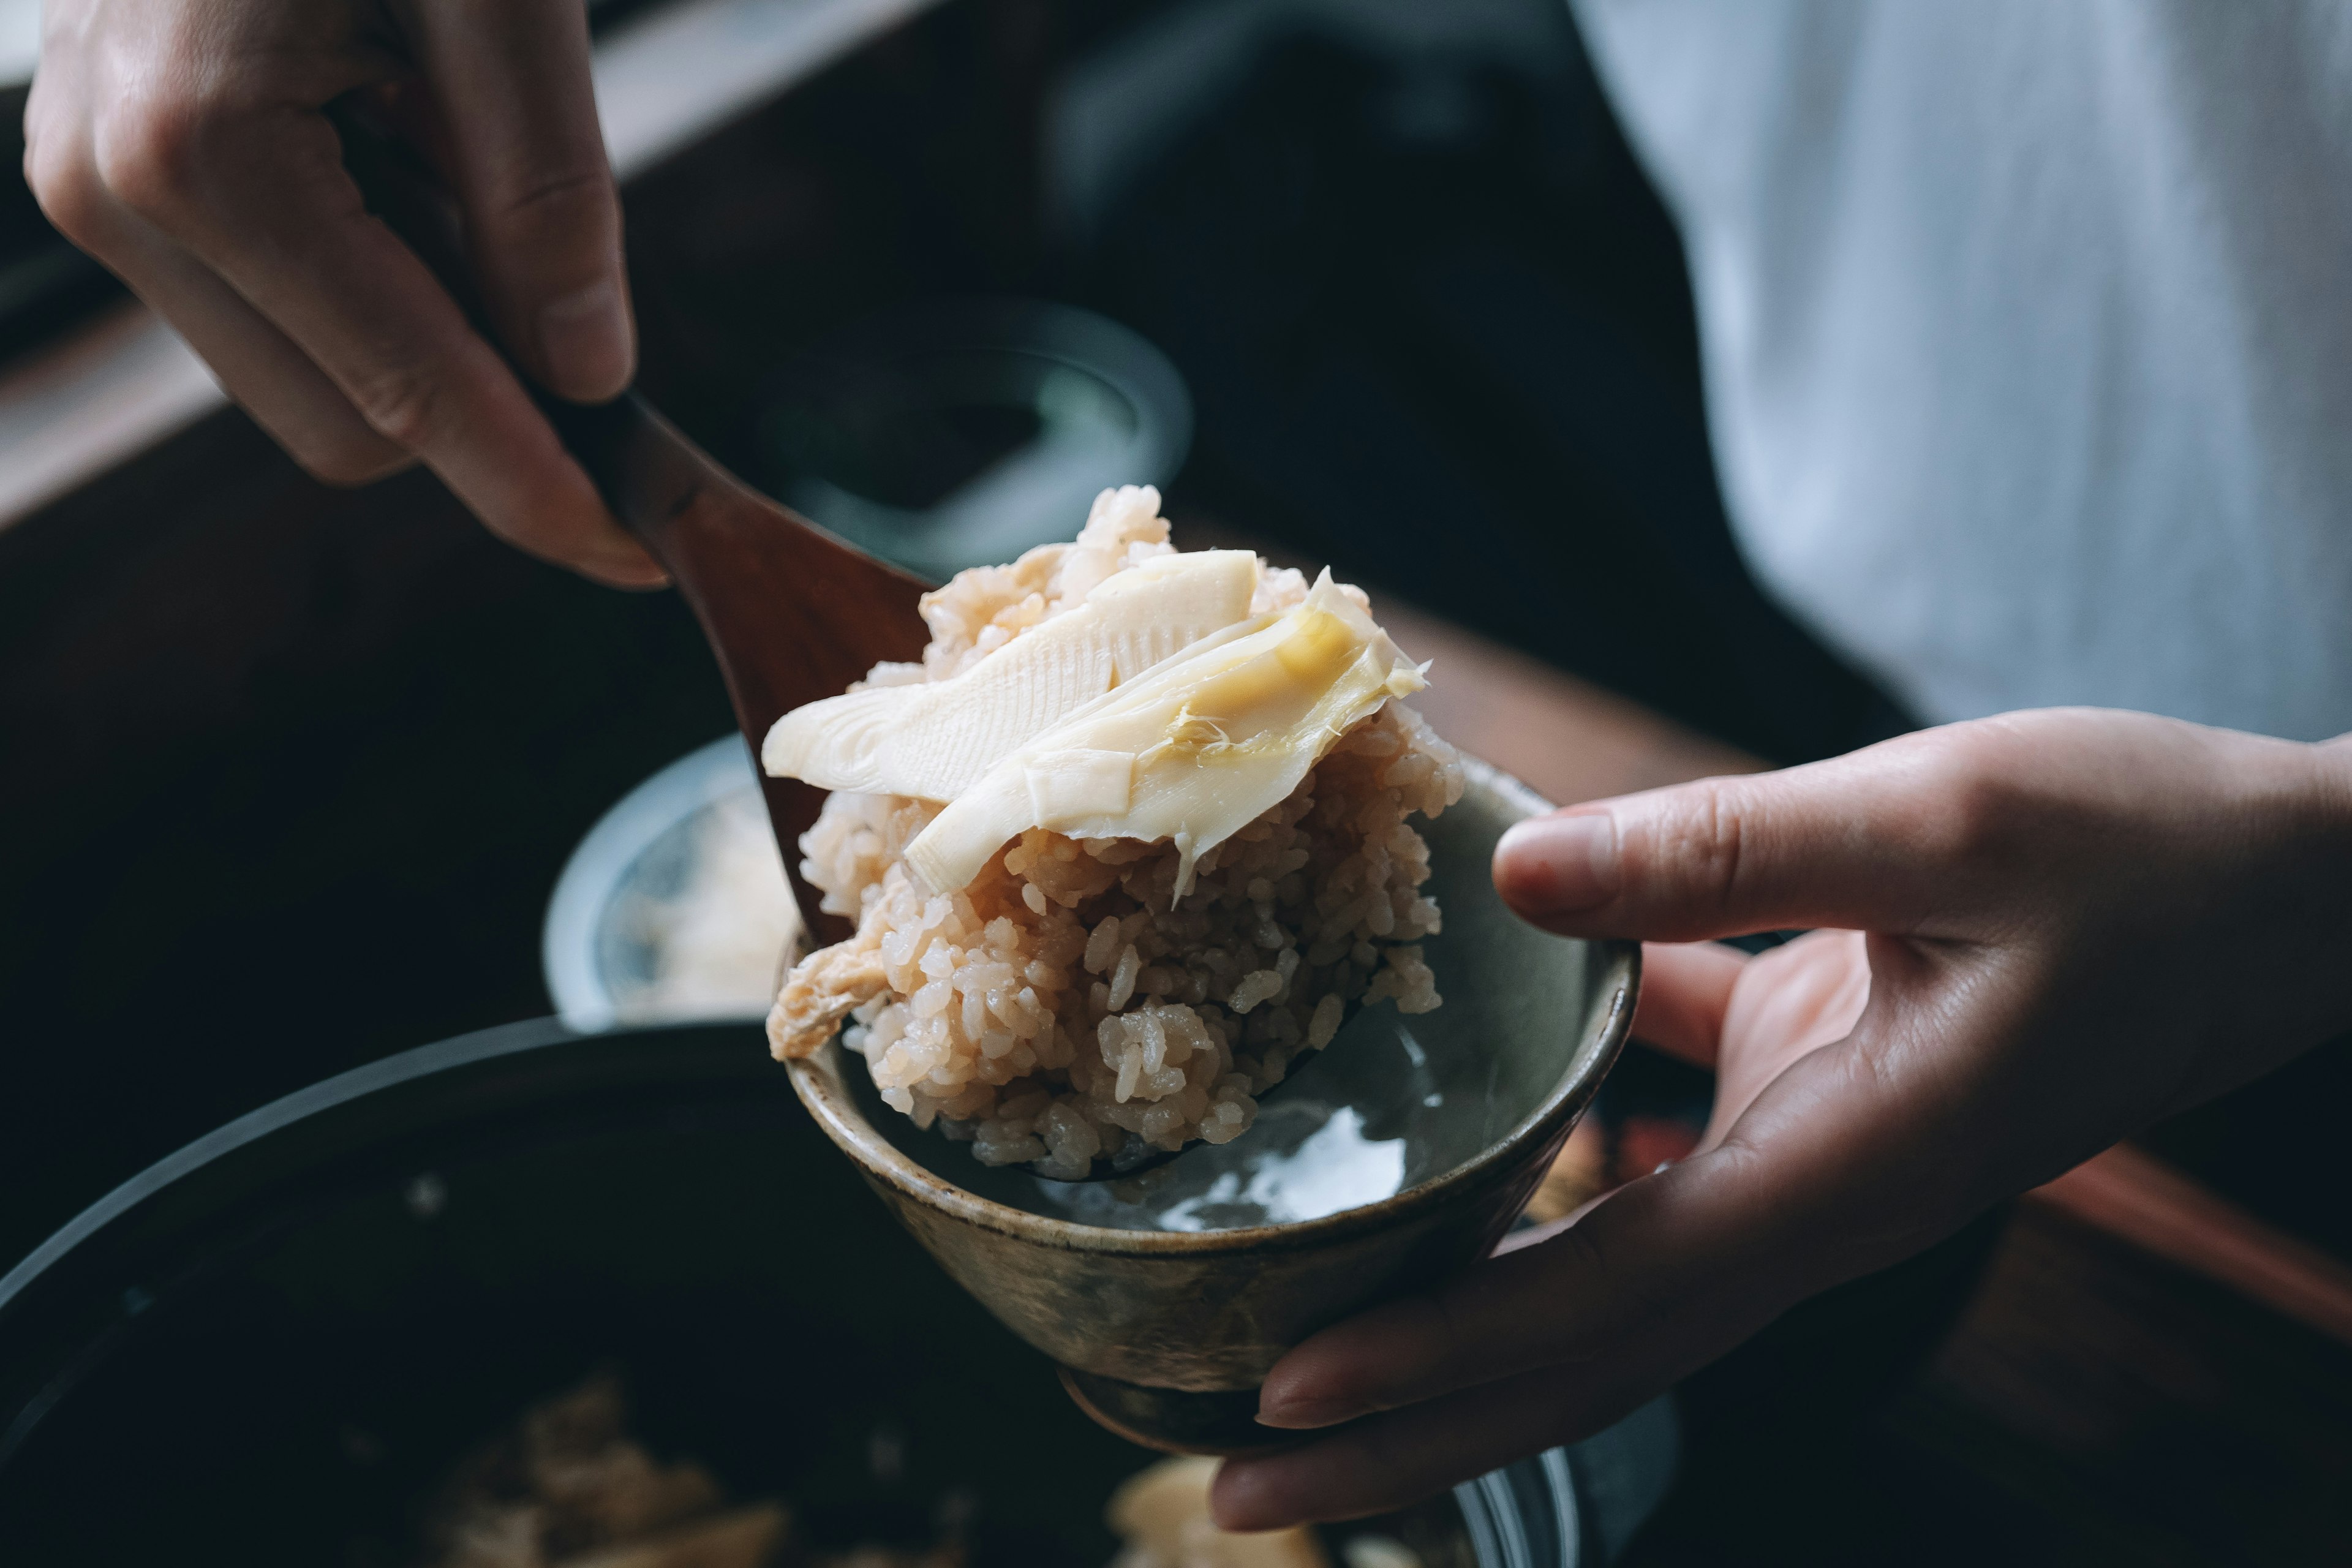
pixel 792 613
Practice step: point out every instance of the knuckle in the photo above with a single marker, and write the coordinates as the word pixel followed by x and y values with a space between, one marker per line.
pixel 357 456
pixel 66 185
pixel 1724 844
pixel 1977 799
pixel 1702 844
pixel 1582 1253
pixel 569 210
pixel 148 152
pixel 562 195
pixel 406 404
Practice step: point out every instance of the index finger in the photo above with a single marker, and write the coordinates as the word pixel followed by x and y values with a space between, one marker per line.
pixel 260 192
pixel 527 157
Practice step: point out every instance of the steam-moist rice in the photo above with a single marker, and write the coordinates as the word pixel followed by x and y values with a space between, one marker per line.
pixel 1065 1003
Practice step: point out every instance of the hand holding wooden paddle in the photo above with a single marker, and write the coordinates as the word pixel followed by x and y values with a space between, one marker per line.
pixel 407 243
pixel 186 144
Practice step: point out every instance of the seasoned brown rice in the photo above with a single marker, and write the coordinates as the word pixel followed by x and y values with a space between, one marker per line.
pixel 1065 1006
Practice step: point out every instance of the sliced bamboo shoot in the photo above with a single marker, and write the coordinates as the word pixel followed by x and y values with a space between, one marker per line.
pixel 935 742
pixel 1191 751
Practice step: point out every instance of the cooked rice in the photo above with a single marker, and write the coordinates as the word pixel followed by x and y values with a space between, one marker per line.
pixel 1065 1005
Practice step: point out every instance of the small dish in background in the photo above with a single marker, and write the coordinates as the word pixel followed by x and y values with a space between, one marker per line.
pixel 954 433
pixel 674 908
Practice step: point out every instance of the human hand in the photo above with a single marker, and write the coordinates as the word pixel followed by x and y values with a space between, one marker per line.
pixel 2048 930
pixel 184 143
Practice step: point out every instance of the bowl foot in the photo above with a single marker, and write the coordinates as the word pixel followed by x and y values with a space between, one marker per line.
pixel 1173 1420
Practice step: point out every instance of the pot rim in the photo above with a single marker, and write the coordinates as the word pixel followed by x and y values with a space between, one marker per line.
pixel 818 1078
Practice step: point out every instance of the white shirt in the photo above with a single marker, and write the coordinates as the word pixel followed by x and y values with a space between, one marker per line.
pixel 2028 333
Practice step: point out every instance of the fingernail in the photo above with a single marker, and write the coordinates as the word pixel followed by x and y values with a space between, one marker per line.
pixel 585 340
pixel 1557 864
pixel 1304 1415
pixel 637 574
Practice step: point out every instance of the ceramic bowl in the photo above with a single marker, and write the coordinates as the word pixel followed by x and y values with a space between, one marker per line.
pixel 1397 1156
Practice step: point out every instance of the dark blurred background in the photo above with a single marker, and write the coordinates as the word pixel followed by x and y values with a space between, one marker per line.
pixel 289 771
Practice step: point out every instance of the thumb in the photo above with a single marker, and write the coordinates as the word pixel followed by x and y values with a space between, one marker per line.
pixel 541 211
pixel 1865 842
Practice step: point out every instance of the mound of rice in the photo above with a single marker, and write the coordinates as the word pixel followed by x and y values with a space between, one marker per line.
pixel 1065 1006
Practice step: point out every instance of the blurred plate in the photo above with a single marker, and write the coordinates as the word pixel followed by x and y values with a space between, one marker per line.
pixel 947 434
pixel 674 907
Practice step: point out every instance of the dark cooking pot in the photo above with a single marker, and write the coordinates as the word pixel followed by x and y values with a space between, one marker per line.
pixel 274 1342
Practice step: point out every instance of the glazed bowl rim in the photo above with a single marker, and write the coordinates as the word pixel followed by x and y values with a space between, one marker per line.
pixel 819 1081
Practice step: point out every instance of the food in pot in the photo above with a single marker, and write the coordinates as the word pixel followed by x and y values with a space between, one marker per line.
pixel 1161 1518
pixel 1133 836
pixel 567 1486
